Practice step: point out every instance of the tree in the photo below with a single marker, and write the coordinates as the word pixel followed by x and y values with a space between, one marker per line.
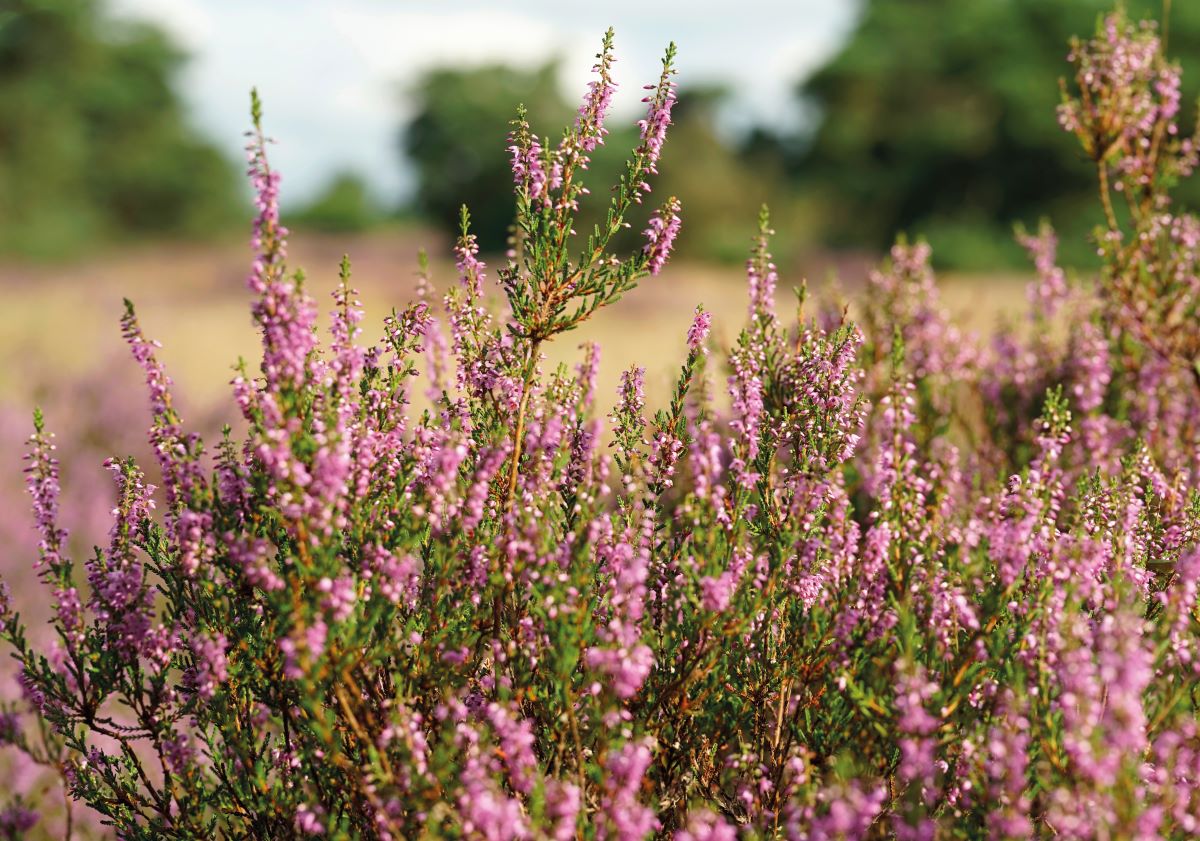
pixel 344 205
pixel 94 143
pixel 456 141
pixel 936 120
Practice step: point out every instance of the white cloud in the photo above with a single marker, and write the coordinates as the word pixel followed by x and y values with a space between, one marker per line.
pixel 332 72
pixel 187 21
pixel 401 40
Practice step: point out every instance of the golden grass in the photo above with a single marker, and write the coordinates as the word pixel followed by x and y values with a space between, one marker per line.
pixel 61 323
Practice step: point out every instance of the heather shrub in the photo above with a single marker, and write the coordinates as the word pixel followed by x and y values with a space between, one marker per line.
pixel 907 584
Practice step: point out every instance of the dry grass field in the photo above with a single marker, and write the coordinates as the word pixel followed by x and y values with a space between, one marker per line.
pixel 60 323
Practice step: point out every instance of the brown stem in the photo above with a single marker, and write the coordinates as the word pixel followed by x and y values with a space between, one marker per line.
pixel 1106 197
pixel 519 432
pixel 70 816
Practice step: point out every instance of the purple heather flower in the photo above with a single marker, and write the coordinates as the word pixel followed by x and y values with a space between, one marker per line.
pixel 528 171
pixel 308 820
pixel 658 117
pixel 698 332
pixel 340 596
pixel 472 271
pixel 517 742
pixel 660 236
pixel 622 816
pixel 589 123
pixel 1006 765
pixel 211 663
pixel 16 820
pixel 761 279
pixel 10 727
pixel 746 389
pixel 1048 294
pixel 704 825
pixel 716 593
pixel 848 815
pixel 42 482
pixel 563 804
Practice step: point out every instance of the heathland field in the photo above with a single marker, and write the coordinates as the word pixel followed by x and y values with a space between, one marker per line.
pixel 60 323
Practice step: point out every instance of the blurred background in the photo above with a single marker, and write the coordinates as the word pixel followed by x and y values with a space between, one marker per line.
pixel 121 134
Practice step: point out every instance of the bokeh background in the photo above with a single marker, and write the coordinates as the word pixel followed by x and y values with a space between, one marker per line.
pixel 121 132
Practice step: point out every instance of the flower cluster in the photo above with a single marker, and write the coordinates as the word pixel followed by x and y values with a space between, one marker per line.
pixel 901 584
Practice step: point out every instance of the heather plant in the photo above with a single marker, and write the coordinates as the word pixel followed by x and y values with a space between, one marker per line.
pixel 901 584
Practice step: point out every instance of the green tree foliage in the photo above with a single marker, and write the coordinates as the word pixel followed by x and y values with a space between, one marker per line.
pixel 344 205
pixel 457 137
pixel 94 143
pixel 936 120
pixel 719 185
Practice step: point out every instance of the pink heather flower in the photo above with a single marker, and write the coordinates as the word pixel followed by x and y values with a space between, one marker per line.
pixel 517 742
pixel 1048 294
pixel 633 391
pixel 622 816
pixel 487 812
pixel 660 235
pixel 625 666
pixel 658 118
pixel 10 728
pixel 42 482
pixel 394 578
pixel 1006 765
pixel 269 239
pixel 933 345
pixel 627 418
pixel 1181 602
pixel 178 753
pixel 340 596
pixel 529 174
pixel 157 647
pixel 309 641
pixel 471 270
pixel 698 333
pixel 30 690
pixel 254 556
pixel 165 435
pixel 16 820
pixel 1093 370
pixel 211 664
pixel 746 389
pixel 589 123
pixel 761 279
pixel 563 803
pixel 705 458
pixel 344 330
pixel 918 767
pixel 704 825
pixel 624 659
pixel 286 315
pixel 716 593
pixel 847 814
pixel 308 820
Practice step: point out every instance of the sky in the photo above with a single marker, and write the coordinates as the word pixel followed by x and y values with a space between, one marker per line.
pixel 334 75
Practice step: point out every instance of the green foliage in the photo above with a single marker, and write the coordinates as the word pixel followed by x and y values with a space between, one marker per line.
pixel 94 143
pixel 456 141
pixel 345 205
pixel 936 119
pixel 719 186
